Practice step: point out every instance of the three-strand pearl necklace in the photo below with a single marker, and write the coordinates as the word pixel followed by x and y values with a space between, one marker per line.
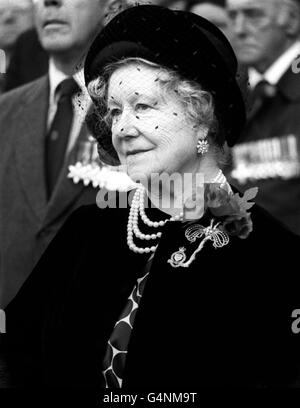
pixel 138 208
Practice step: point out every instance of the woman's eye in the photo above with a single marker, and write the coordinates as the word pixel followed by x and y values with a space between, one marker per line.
pixel 114 112
pixel 142 107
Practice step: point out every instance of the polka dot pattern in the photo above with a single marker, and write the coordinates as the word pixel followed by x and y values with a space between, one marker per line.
pixel 115 356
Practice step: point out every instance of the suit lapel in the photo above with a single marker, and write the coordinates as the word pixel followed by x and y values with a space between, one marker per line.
pixel 30 129
pixel 288 87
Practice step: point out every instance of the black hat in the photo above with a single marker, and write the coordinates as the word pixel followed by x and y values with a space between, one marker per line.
pixel 181 41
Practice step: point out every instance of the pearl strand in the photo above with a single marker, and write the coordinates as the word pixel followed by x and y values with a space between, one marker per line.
pixel 137 207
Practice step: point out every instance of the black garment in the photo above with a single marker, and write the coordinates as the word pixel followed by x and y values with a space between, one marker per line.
pixel 29 61
pixel 59 132
pixel 224 322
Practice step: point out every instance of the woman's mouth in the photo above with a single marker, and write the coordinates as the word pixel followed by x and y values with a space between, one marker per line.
pixel 135 152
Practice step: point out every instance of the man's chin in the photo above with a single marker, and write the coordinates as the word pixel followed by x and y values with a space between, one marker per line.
pixel 248 56
pixel 55 44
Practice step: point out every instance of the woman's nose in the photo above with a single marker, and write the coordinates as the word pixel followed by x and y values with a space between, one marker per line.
pixel 127 124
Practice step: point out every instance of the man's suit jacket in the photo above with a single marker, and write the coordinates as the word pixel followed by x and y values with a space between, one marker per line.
pixel 29 61
pixel 27 221
pixel 275 118
pixel 225 321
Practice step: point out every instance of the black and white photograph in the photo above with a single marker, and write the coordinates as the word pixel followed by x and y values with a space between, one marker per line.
pixel 149 201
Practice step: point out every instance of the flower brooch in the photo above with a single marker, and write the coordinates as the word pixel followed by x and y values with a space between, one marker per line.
pixel 231 210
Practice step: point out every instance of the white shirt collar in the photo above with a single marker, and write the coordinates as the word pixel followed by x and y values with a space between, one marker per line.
pixel 56 77
pixel 277 69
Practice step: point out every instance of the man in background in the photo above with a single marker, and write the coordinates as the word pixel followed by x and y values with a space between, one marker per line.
pixel 42 132
pixel 215 12
pixel 15 17
pixel 266 40
pixel 29 61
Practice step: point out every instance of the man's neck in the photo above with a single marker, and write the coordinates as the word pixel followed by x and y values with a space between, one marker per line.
pixel 278 67
pixel 66 65
pixel 263 66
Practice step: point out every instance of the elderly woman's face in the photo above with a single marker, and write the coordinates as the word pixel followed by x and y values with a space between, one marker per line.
pixel 150 131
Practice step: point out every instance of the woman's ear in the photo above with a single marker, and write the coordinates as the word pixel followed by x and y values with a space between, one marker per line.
pixel 202 132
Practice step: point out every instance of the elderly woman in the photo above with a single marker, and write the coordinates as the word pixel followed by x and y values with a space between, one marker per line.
pixel 186 288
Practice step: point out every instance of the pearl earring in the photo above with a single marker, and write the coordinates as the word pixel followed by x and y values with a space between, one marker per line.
pixel 202 146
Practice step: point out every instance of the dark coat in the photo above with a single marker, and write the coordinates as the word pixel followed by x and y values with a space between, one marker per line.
pixel 225 321
pixel 28 221
pixel 277 117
